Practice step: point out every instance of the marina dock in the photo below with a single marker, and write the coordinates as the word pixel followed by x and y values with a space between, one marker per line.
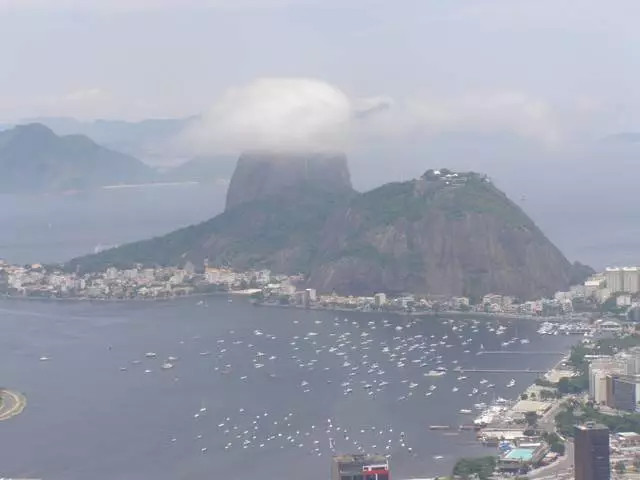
pixel 499 370
pixel 517 352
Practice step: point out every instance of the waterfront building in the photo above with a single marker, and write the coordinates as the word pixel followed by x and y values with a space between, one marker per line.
pixel 591 452
pixel 311 294
pixel 623 300
pixel 615 279
pixel 379 299
pixel 603 295
pixel 300 297
pixel 359 467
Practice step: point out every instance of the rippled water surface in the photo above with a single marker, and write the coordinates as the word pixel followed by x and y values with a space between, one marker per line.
pixel 253 393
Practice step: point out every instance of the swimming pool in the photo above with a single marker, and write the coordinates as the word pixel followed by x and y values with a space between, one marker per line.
pixel 522 454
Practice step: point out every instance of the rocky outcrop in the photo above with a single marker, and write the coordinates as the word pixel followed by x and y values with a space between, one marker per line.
pixel 436 236
pixel 264 173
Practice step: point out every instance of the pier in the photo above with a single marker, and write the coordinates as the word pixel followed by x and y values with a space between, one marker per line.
pixel 499 370
pixel 518 352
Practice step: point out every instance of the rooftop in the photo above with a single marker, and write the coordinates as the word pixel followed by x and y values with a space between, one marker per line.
pixel 591 426
pixel 360 458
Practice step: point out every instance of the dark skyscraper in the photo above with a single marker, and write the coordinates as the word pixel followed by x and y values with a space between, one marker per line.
pixel 591 455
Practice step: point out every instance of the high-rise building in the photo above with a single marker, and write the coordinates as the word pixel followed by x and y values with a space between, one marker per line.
pixel 591 452
pixel 359 467
pixel 615 279
pixel 631 279
pixel 625 391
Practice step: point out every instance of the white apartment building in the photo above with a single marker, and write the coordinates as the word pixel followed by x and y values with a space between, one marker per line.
pixel 379 299
pixel 615 279
pixel 631 279
pixel 599 369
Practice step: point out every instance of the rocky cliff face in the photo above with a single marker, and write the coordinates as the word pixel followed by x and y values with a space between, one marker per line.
pixel 439 234
pixel 261 174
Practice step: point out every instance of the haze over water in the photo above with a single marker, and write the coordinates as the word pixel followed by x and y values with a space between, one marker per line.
pixel 87 418
pixel 56 227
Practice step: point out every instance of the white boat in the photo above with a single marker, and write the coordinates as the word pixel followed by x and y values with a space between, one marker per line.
pixel 511 383
pixel 150 355
pixel 44 359
pixel 454 389
pixel 465 411
pixel 166 366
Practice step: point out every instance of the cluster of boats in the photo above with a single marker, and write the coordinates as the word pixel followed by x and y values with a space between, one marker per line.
pixel 548 328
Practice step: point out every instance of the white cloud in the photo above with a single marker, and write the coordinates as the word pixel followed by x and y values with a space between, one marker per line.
pixel 513 112
pixel 127 5
pixel 275 113
pixel 308 113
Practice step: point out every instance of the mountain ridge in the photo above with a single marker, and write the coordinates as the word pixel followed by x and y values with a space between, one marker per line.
pixel 443 233
pixel 34 159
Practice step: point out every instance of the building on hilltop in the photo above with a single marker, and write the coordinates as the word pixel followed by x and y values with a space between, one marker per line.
pixel 591 452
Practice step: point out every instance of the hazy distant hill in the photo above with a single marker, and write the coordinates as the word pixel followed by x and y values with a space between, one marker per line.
pixel 203 169
pixel 153 140
pixel 456 235
pixel 34 159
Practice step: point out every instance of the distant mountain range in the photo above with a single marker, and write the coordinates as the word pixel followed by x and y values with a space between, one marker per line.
pixel 443 233
pixel 155 141
pixel 34 159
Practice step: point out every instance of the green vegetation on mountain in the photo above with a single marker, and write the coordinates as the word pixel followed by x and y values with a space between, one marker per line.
pixel 254 235
pixel 34 159
pixel 443 233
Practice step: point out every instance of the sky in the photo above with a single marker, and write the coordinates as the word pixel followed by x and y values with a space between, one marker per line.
pixel 541 69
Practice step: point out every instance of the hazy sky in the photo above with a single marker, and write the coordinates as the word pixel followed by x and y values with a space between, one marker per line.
pixel 541 68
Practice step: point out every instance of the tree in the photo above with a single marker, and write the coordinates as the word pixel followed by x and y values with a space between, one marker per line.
pixel 531 418
pixel 524 396
pixel 483 467
pixel 557 447
pixel 620 467
pixel 283 300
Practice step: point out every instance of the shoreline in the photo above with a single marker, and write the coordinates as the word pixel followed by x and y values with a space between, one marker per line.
pixel 12 404
pixel 443 313
pixel 240 293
